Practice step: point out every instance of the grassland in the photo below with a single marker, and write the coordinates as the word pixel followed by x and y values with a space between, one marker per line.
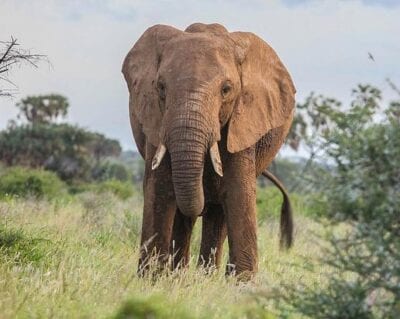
pixel 76 258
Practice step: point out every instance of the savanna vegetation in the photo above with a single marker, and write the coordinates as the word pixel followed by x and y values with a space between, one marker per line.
pixel 70 218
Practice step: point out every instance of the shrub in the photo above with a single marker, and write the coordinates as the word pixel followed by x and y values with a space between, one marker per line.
pixel 153 307
pixel 110 170
pixel 68 150
pixel 79 187
pixel 363 193
pixel 269 200
pixel 23 182
pixel 122 190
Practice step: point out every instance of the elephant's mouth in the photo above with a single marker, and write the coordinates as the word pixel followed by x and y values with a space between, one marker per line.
pixel 214 155
pixel 187 171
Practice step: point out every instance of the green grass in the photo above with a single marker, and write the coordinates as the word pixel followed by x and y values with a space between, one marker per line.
pixel 77 258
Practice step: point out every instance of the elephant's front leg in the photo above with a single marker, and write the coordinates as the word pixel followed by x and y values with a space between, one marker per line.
pixel 180 240
pixel 239 187
pixel 212 237
pixel 158 212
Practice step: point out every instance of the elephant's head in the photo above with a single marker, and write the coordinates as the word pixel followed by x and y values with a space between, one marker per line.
pixel 185 86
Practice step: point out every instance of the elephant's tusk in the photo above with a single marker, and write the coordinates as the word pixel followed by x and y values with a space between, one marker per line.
pixel 216 159
pixel 160 152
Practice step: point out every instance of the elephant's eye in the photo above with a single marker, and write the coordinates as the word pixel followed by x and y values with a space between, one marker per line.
pixel 226 89
pixel 161 90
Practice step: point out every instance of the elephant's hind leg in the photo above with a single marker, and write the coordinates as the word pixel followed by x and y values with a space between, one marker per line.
pixel 180 240
pixel 212 237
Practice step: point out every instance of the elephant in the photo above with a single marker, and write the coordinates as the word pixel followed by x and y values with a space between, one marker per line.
pixel 209 110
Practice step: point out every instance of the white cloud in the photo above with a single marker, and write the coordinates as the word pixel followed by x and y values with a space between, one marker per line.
pixel 325 45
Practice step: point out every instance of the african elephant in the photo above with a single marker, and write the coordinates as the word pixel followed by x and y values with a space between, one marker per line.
pixel 209 110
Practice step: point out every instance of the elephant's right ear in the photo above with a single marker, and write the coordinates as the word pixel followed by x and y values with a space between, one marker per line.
pixel 140 70
pixel 267 98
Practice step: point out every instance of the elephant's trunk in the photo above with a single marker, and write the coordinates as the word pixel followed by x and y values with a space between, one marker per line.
pixel 187 143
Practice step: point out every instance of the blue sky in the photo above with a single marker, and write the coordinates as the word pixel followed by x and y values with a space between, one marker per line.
pixel 324 44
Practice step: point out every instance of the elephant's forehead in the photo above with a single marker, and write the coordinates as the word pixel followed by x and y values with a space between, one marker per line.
pixel 197 45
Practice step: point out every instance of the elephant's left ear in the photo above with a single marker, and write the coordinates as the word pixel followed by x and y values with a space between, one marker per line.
pixel 267 96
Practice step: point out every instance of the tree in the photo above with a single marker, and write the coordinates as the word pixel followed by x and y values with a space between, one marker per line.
pixel 363 144
pixel 70 151
pixel 62 148
pixel 314 121
pixel 57 147
pixel 43 109
pixel 101 146
pixel 11 56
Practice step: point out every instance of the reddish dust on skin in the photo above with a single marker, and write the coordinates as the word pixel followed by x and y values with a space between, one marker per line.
pixel 209 109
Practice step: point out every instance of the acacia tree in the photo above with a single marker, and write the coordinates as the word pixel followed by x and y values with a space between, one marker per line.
pixel 11 56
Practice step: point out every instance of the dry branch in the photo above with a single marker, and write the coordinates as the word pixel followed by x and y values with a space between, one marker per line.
pixel 12 55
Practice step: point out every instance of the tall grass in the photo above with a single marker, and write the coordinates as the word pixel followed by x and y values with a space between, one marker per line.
pixel 77 258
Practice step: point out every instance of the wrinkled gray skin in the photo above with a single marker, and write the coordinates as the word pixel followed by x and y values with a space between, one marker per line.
pixel 203 103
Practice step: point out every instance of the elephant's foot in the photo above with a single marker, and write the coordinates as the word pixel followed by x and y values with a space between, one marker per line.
pixel 242 275
pixel 154 257
pixel 154 264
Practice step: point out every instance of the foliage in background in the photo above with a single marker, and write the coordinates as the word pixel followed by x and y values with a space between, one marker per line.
pixel 43 109
pixel 107 169
pixel 23 182
pixel 269 200
pixel 70 151
pixel 135 163
pixel 56 147
pixel 154 307
pixel 363 144
pixel 298 175
pixel 123 190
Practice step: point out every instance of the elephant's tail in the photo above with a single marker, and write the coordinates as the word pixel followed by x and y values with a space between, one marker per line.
pixel 286 239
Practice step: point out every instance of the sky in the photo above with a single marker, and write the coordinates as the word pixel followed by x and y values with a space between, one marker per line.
pixel 324 45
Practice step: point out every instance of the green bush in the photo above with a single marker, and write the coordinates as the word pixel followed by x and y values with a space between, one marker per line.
pixel 122 190
pixel 79 187
pixel 153 307
pixel 269 201
pixel 110 170
pixel 23 182
pixel 70 151
pixel 363 194
pixel 315 205
pixel 60 148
